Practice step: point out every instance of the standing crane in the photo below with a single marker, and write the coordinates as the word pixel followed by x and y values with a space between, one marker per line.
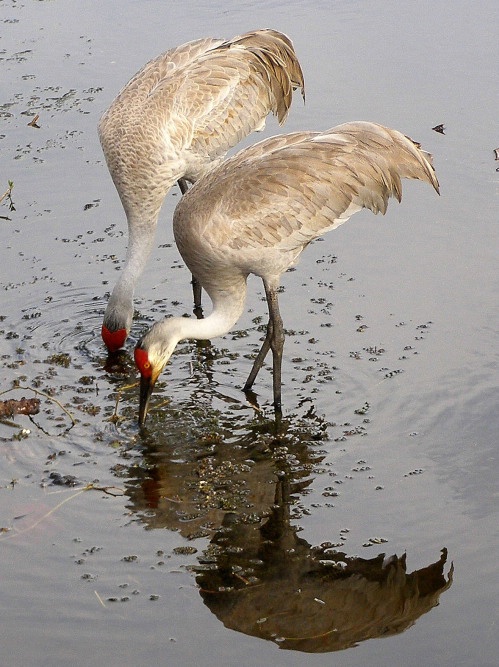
pixel 258 210
pixel 173 122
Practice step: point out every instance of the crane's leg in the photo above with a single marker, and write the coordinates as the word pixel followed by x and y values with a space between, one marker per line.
pixel 196 287
pixel 260 358
pixel 274 340
pixel 276 343
pixel 196 293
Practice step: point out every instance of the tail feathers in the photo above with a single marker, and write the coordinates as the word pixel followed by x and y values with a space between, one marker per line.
pixel 388 155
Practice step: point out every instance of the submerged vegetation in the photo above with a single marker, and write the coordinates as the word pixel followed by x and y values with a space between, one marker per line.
pixel 6 198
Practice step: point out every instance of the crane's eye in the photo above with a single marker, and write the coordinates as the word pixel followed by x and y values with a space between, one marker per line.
pixel 142 362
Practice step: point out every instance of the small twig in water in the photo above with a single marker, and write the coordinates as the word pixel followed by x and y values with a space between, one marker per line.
pixel 100 599
pixel 115 417
pixel 34 122
pixel 50 398
pixel 88 487
pixel 8 195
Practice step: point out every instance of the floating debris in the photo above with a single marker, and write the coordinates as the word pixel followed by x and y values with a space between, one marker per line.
pixel 34 122
pixel 63 480
pixel 375 540
pixel 22 406
pixel 184 550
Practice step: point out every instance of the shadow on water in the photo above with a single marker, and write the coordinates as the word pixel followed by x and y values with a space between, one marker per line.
pixel 241 482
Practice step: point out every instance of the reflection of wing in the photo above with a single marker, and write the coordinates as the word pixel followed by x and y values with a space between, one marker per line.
pixel 286 191
pixel 269 583
pixel 320 614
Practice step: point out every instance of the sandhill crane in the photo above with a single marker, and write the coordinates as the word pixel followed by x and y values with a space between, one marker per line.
pixel 257 211
pixel 174 121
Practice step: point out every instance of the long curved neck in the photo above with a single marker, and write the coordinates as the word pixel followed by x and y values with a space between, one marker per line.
pixel 228 306
pixel 140 243
pixel 119 309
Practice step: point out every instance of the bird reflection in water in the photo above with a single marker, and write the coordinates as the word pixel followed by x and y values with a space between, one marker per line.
pixel 265 581
pixel 244 490
pixel 200 464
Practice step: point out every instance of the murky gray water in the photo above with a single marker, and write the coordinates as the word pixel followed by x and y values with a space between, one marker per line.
pixel 199 541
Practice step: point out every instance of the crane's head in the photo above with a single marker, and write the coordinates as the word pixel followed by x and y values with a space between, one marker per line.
pixel 149 373
pixel 113 340
pixel 118 318
pixel 152 353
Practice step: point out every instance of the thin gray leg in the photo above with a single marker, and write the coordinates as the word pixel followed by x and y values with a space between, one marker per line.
pixel 274 340
pixel 196 287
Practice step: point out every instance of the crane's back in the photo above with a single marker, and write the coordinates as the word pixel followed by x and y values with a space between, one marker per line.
pixel 180 114
pixel 257 211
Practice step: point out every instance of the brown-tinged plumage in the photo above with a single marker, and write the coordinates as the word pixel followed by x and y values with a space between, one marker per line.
pixel 174 121
pixel 258 210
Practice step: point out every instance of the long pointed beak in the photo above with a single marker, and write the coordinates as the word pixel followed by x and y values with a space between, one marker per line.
pixel 146 387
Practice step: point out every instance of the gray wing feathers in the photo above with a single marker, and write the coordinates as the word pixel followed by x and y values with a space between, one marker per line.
pixel 290 189
pixel 204 96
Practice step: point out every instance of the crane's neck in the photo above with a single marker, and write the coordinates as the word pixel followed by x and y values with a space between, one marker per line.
pixel 119 311
pixel 228 306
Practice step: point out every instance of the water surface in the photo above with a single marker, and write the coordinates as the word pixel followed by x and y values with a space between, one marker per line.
pixel 367 525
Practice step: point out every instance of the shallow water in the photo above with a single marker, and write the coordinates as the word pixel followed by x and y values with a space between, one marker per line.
pixel 198 541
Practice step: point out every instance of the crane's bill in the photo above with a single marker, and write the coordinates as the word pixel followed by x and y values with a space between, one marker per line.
pixel 146 387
